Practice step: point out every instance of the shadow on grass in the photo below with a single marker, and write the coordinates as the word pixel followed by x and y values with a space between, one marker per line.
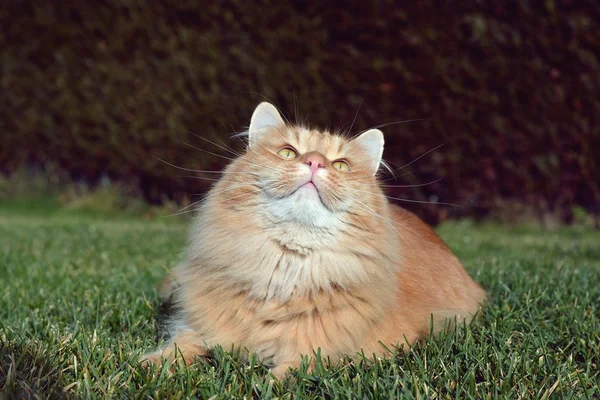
pixel 28 371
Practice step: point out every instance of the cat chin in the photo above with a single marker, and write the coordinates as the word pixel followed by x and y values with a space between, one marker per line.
pixel 304 207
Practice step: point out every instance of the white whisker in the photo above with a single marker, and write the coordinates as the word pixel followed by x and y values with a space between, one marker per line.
pixel 422 155
pixel 241 184
pixel 441 203
pixel 387 221
pixel 216 144
pixel 186 169
pixel 254 164
pixel 415 185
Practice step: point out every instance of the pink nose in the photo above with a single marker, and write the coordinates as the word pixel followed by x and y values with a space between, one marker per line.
pixel 315 161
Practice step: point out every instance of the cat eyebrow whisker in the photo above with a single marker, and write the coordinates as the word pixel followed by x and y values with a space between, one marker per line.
pixel 355 116
pixel 248 148
pixel 269 100
pixel 393 123
pixel 239 135
pixel 386 165
pixel 295 105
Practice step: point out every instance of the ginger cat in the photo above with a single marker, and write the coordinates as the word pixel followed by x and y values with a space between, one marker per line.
pixel 296 248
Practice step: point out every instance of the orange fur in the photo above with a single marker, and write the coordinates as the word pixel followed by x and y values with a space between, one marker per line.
pixel 282 270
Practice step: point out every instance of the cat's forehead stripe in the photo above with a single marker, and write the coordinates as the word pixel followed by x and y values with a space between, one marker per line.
pixel 314 140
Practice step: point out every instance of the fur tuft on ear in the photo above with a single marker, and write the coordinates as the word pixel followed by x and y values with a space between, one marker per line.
pixel 264 117
pixel 371 142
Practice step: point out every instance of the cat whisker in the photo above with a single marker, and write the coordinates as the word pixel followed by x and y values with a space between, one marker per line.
pixel 186 169
pixel 204 178
pixel 386 165
pixel 422 155
pixel 190 206
pixel 415 185
pixel 387 221
pixel 441 203
pixel 216 144
pixel 241 184
pixel 381 180
pixel 395 177
pixel 181 212
pixel 201 171
pixel 390 222
pixel 364 226
pixel 238 196
pixel 248 149
pixel 254 164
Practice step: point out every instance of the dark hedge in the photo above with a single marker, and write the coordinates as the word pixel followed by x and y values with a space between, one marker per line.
pixel 511 88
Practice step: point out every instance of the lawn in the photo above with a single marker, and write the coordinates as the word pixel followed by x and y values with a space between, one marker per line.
pixel 78 302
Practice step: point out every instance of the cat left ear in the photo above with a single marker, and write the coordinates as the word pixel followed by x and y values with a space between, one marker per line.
pixel 371 142
pixel 264 117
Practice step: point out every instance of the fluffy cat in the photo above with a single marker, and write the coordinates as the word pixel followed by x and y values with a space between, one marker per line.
pixel 296 248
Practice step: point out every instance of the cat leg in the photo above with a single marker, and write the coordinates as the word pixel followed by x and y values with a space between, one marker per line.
pixel 186 343
pixel 281 370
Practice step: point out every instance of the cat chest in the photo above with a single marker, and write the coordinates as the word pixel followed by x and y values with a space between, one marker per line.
pixel 301 325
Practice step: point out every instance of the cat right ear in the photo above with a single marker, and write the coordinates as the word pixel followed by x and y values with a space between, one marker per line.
pixel 371 143
pixel 264 117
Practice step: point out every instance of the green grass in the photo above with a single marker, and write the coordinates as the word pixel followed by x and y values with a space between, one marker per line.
pixel 78 301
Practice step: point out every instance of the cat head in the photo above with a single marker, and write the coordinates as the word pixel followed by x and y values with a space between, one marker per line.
pixel 309 177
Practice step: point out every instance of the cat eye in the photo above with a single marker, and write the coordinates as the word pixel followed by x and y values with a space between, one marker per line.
pixel 341 166
pixel 287 153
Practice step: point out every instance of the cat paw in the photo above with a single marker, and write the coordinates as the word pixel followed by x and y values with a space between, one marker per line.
pixel 150 359
pixel 283 370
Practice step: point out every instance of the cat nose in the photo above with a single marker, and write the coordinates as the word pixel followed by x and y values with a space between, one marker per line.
pixel 315 161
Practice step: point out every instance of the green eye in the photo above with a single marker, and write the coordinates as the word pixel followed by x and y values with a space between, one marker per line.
pixel 341 166
pixel 287 153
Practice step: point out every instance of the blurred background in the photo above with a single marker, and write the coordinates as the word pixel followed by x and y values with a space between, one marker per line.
pixel 505 94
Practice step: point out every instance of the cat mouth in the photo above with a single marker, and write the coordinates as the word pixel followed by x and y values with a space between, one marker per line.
pixel 310 190
pixel 310 185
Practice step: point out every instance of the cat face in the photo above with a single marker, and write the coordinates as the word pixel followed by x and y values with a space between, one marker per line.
pixel 305 175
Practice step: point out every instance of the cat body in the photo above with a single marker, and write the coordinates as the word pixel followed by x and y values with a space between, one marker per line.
pixel 297 249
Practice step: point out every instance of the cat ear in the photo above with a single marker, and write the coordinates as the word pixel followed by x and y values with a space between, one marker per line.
pixel 371 142
pixel 265 116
